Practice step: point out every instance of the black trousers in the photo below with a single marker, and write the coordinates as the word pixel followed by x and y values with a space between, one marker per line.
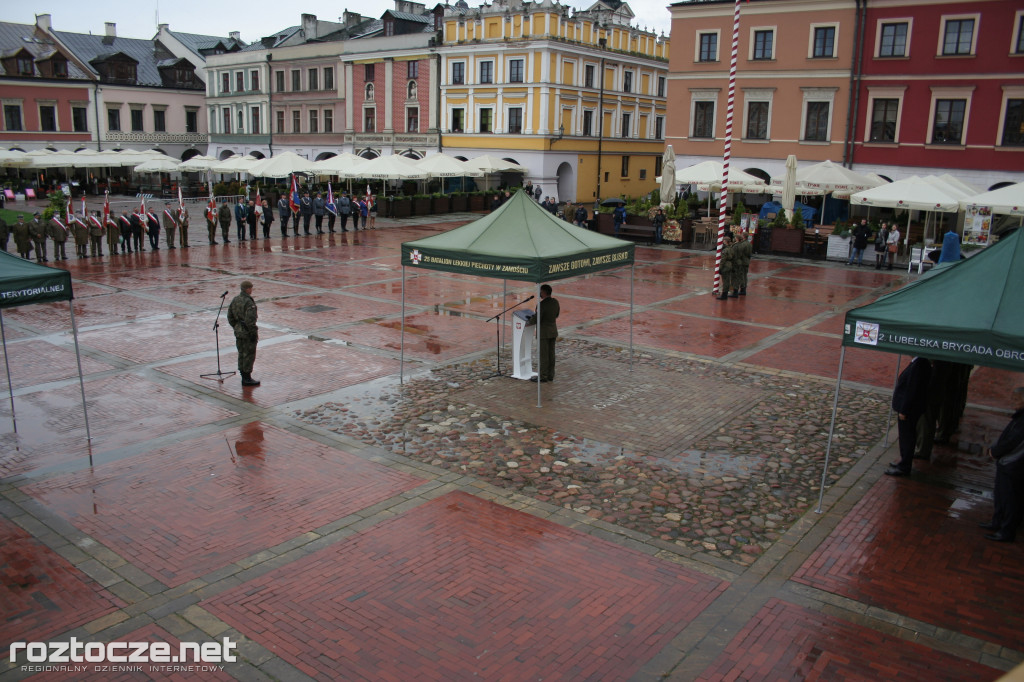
pixel 305 223
pixel 907 429
pixel 240 230
pixel 284 224
pixel 1009 506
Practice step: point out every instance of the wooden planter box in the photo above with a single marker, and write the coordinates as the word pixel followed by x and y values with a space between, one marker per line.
pixel 441 204
pixel 477 202
pixel 421 206
pixel 839 248
pixel 605 223
pixel 401 208
pixel 641 221
pixel 788 241
pixel 460 203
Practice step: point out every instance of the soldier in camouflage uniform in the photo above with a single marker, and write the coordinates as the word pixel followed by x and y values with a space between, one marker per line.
pixel 727 267
pixel 242 318
pixel 38 232
pixel 744 250
pixel 224 218
pixel 59 235
pixel 22 238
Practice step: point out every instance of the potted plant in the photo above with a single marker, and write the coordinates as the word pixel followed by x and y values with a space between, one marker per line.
pixel 440 203
pixel 460 202
pixel 785 237
pixel 838 247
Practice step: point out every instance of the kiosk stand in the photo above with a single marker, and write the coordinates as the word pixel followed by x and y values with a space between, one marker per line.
pixel 522 345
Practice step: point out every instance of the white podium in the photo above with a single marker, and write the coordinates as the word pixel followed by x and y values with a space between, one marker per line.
pixel 522 345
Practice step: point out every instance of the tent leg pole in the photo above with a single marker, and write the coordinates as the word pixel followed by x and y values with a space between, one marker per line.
pixel 537 332
pixel 401 357
pixel 7 366
pixel 888 419
pixel 633 270
pixel 831 429
pixel 78 358
pixel 504 304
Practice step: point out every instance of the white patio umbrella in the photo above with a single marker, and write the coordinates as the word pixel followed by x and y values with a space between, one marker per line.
pixel 789 187
pixel 830 177
pixel 13 159
pixel 281 166
pixel 444 166
pixel 493 164
pixel 707 176
pixel 197 164
pixel 235 164
pixel 338 165
pixel 393 167
pixel 1007 200
pixel 167 165
pixel 668 176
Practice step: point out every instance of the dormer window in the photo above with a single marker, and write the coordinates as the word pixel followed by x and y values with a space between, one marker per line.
pixel 25 66
pixel 60 68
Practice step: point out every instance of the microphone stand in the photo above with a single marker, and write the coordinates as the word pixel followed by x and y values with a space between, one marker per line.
pixel 497 334
pixel 218 375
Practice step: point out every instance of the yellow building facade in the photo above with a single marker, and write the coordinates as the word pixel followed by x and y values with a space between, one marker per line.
pixel 577 97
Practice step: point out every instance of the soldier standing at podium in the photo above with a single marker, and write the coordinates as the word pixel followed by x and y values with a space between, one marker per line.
pixel 549 310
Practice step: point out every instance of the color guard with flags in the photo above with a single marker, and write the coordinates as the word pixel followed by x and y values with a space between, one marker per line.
pixel 293 197
pixel 332 208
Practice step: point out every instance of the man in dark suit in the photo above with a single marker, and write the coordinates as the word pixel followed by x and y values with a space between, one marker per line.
pixel 548 310
pixel 909 401
pixel 1009 489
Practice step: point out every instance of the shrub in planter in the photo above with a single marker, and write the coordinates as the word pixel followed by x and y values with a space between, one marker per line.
pixel 478 201
pixel 401 207
pixel 421 204
pixel 460 202
pixel 441 203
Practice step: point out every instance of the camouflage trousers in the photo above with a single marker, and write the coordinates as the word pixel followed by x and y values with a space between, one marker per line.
pixel 246 354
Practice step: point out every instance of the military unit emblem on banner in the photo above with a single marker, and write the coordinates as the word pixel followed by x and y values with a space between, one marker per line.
pixel 866 332
pixel 415 256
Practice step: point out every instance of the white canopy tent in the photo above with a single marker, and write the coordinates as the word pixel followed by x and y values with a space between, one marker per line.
pixel 493 164
pixel 167 165
pixel 1007 200
pixel 339 164
pixel 444 166
pixel 198 164
pixel 235 164
pixel 281 166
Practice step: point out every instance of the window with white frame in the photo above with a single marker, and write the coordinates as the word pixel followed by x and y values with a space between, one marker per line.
pixel 661 86
pixel 516 71
pixel 280 122
pixel 413 69
pixel 487 72
pixel 1011 119
pixel 296 80
pixel 893 38
pixel 762 46
pixel 515 120
pixel 823 41
pixel 370 120
pixel 950 110
pixel 588 76
pixel 225 83
pixel 885 106
pixel 328 120
pixel 241 123
pixel 707 46
pixel 627 125
pixel 314 121
pixel 458 73
pixel 239 81
pixel 757 120
pixel 702 113
pixel 659 132
pixel 314 79
pixel 816 124
pixel 412 119
pixel 296 121
pixel 254 121
pixel 48 118
pixel 279 81
pixel 486 118
pixel 159 120
pixel 588 123
pixel 328 78
pixel 226 120
pixel 458 120
pixel 1017 42
pixel 957 35
pixel 627 81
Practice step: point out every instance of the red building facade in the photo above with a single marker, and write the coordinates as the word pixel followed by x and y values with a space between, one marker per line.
pixel 940 88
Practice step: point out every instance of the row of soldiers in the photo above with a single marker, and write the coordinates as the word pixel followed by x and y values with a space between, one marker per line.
pixel 736 252
pixel 123 233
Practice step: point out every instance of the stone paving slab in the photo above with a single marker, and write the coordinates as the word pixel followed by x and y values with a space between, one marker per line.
pixel 182 511
pixel 319 310
pixel 208 292
pixel 41 592
pixel 709 337
pixel 39 361
pixel 428 290
pixel 93 311
pixel 431 336
pixel 819 355
pixel 148 341
pixel 751 308
pixel 290 370
pixel 916 549
pixel 123 409
pixel 615 287
pixel 332 276
pixel 788 642
pixel 493 591
pixel 780 286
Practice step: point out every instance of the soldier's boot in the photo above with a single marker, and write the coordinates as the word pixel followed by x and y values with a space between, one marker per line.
pixel 743 291
pixel 733 294
pixel 247 380
pixel 724 296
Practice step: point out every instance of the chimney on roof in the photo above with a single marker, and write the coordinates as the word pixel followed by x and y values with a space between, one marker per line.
pixel 309 24
pixel 236 36
pixel 351 19
pixel 111 29
pixel 43 22
pixel 162 28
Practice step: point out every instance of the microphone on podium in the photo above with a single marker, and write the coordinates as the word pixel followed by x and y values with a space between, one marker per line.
pixel 224 294
pixel 527 299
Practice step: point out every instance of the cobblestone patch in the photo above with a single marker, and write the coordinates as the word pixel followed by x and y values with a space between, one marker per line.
pixel 731 492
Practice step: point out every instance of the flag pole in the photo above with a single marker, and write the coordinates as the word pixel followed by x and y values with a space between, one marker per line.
pixel 723 198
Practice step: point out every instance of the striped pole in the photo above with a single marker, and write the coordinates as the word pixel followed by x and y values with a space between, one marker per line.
pixel 724 196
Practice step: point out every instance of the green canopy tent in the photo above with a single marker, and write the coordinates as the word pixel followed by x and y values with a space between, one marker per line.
pixel 969 312
pixel 25 283
pixel 518 241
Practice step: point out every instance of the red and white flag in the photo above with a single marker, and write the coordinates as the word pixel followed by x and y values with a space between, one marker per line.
pixel 259 202
pixel 368 194
pixel 85 213
pixel 106 206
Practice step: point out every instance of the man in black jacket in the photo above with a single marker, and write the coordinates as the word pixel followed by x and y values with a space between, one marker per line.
pixel 909 401
pixel 1009 489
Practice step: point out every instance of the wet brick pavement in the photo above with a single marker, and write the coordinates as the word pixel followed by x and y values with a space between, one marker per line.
pixel 655 519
